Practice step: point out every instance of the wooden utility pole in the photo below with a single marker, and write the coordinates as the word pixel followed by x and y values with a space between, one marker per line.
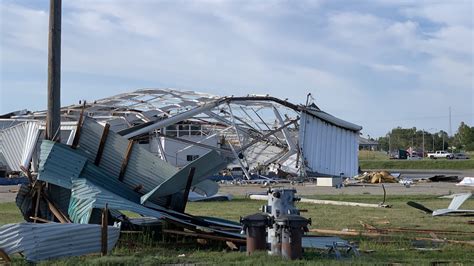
pixel 53 119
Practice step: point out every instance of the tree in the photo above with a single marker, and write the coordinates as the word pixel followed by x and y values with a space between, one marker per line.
pixel 464 137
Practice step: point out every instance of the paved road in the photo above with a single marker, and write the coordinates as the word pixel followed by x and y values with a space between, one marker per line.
pixel 428 172
pixel 367 189
pixel 370 189
pixel 6 195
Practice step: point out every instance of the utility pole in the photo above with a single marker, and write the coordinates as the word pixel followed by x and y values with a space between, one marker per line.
pixel 443 142
pixel 422 156
pixel 389 144
pixel 53 118
pixel 450 131
pixel 433 142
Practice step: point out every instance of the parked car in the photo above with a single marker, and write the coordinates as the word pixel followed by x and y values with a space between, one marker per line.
pixel 414 157
pixel 460 156
pixel 440 154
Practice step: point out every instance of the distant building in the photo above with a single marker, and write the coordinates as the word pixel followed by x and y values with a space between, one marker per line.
pixel 368 144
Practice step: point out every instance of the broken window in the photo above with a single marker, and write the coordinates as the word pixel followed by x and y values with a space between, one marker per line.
pixel 190 158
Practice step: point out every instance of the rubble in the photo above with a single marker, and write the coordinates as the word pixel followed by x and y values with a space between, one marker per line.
pixel 376 177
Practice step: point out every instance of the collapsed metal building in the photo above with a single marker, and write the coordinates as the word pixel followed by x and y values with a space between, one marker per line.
pixel 258 134
pixel 144 152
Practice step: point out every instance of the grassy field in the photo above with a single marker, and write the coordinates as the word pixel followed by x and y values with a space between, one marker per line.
pixel 380 160
pixel 383 250
pixel 420 164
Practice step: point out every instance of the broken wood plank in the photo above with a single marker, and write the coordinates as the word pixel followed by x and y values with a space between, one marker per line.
pixel 39 219
pixel 372 228
pixel 123 168
pixel 104 232
pixel 103 139
pixel 38 197
pixel 5 256
pixel 470 243
pixel 77 136
pixel 56 212
pixel 27 173
pixel 206 236
pixel 344 233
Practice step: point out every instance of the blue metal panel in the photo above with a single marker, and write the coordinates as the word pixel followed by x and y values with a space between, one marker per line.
pixel 58 165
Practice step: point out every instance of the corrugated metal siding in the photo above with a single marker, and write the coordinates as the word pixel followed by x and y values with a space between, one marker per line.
pixel 17 143
pixel 40 242
pixel 59 164
pixel 208 164
pixel 52 170
pixel 328 149
pixel 85 196
pixel 143 167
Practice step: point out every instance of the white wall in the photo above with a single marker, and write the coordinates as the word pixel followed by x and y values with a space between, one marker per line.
pixel 328 149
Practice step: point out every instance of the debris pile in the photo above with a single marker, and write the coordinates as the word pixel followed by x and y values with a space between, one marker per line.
pixel 376 177
pixel 102 168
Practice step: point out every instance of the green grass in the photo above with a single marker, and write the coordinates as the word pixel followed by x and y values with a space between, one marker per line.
pixel 385 250
pixel 9 213
pixel 418 164
pixel 373 155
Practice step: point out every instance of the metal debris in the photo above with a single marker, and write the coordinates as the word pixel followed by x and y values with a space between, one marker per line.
pixel 39 242
pixel 453 208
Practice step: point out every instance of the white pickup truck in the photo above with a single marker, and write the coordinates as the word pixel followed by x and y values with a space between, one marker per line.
pixel 440 154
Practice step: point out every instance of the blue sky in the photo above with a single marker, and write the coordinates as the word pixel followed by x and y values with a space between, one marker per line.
pixel 380 64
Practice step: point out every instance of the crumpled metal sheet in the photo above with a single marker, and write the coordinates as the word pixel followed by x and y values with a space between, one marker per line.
pixel 17 144
pixel 85 196
pixel 58 166
pixel 205 166
pixel 143 167
pixel 40 242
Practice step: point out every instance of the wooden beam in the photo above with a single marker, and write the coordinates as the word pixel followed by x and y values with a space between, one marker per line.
pixel 38 197
pixel 103 139
pixel 104 230
pixel 123 168
pixel 77 136
pixel 5 256
pixel 39 219
pixel 206 236
pixel 56 212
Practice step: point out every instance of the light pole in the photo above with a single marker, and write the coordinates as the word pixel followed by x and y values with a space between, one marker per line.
pixel 433 135
pixel 423 146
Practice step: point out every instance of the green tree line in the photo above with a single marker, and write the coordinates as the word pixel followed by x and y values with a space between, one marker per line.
pixel 403 138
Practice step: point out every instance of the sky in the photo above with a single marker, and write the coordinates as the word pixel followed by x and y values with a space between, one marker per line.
pixel 379 64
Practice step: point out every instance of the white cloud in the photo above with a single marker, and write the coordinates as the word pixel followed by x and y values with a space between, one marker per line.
pixel 347 57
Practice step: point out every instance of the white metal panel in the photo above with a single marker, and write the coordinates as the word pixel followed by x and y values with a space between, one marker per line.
pixel 328 149
pixel 17 144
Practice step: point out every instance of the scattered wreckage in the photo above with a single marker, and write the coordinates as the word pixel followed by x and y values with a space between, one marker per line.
pixel 376 177
pixel 263 136
pixel 144 153
pixel 453 208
